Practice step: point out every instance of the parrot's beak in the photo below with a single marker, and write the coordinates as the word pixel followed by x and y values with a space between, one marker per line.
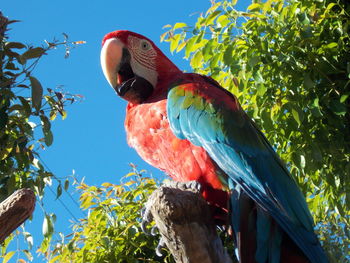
pixel 111 57
pixel 116 66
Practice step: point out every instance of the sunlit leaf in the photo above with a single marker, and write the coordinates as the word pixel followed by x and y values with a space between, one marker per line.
pixel 254 7
pixel 343 98
pixel 8 256
pixel 297 115
pixel 302 161
pixel 174 42
pixel 331 45
pixel 47 227
pixel 210 19
pixel 179 25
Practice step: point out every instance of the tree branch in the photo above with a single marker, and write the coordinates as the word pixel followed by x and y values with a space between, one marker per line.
pixel 186 225
pixel 14 210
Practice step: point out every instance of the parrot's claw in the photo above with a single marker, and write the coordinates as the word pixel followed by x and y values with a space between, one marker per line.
pixel 147 218
pixel 160 246
pixel 154 231
pixel 193 186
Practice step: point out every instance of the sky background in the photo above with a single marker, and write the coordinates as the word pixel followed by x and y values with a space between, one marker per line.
pixel 92 138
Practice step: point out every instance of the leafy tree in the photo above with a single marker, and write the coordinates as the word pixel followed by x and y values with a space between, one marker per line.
pixel 26 113
pixel 288 62
pixel 111 232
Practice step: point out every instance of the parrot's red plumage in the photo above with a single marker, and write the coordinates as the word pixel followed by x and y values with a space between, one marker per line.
pixel 193 129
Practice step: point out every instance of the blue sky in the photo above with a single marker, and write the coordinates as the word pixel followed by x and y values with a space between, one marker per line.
pixel 92 139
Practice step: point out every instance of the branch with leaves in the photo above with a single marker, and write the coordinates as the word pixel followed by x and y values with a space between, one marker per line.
pixel 26 112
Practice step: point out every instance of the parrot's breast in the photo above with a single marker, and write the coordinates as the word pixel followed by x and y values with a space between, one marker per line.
pixel 149 133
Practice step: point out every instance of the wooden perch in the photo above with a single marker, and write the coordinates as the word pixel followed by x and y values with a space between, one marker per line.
pixel 186 225
pixel 14 210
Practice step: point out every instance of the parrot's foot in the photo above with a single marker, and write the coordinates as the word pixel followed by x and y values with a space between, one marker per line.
pixel 193 186
pixel 147 218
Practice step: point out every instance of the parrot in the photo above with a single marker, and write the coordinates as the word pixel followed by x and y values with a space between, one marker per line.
pixel 190 127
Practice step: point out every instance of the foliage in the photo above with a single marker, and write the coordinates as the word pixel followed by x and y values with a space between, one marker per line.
pixel 288 62
pixel 111 232
pixel 26 112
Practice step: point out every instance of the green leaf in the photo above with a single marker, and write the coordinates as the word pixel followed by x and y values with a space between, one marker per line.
pixel 33 53
pixel 308 82
pixel 174 41
pixel 303 18
pixel 254 7
pixel 253 61
pixel 47 227
pixel 28 255
pixel 16 45
pixel 190 43
pixel 210 19
pixel 5 151
pixel 208 50
pixel 302 161
pixel 66 184
pixel 48 136
pixel 329 6
pixel 298 115
pixel 343 98
pixel 37 93
pixel 338 108
pixel 261 90
pixel 45 122
pixel 223 20
pixel 196 61
pixel 58 191
pixel 332 45
pixel 29 239
pixel 8 256
pixel 179 25
pixel 166 26
pixel 258 77
pixel 228 55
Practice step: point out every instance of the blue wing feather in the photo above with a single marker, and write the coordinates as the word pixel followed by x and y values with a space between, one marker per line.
pixel 244 154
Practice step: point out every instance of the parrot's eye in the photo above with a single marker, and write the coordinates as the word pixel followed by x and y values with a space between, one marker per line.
pixel 145 45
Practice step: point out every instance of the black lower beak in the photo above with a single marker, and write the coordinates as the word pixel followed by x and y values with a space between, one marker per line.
pixel 123 88
pixel 135 90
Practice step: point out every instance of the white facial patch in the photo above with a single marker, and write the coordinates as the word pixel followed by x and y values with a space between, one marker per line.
pixel 143 59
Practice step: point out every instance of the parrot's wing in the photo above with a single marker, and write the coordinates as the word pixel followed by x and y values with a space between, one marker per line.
pixel 209 116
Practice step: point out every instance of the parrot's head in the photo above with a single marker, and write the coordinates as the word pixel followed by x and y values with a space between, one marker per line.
pixel 134 66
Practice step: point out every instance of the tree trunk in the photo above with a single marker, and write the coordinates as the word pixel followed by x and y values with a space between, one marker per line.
pixel 14 210
pixel 186 225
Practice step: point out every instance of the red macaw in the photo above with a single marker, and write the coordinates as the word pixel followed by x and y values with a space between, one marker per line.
pixel 193 129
